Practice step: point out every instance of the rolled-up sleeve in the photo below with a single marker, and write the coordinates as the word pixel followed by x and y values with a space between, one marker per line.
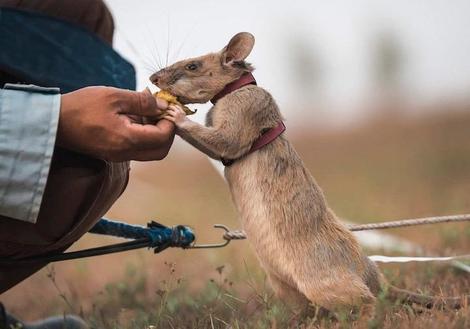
pixel 29 118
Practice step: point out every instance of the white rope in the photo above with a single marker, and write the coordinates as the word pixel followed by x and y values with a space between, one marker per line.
pixel 410 222
pixel 405 259
pixel 240 235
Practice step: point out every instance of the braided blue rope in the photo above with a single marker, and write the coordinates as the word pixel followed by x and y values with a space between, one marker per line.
pixel 161 236
pixel 155 235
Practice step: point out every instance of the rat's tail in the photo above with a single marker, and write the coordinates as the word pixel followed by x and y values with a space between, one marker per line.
pixel 428 301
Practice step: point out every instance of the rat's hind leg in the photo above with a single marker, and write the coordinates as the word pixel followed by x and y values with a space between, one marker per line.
pixel 287 293
pixel 296 300
pixel 341 293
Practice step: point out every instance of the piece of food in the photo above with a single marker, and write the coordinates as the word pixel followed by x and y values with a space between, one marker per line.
pixel 171 99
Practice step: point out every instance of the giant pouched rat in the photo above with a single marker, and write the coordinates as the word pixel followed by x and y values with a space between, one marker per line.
pixel 308 254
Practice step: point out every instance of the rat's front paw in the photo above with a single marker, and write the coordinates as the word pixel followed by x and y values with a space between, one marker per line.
pixel 176 114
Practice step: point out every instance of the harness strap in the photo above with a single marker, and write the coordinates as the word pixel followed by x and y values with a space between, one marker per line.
pixel 266 138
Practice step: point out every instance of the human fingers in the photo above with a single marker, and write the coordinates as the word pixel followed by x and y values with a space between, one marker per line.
pixel 151 135
pixel 161 103
pixel 140 103
pixel 151 154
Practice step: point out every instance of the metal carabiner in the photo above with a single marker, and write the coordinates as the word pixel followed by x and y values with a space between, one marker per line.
pixel 213 245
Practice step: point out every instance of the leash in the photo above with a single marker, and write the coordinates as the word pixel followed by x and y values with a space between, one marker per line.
pixel 160 237
pixel 155 236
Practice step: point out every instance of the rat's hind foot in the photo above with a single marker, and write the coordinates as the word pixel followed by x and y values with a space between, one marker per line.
pixel 288 294
pixel 347 292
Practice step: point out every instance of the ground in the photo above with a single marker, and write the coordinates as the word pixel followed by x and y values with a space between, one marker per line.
pixel 389 168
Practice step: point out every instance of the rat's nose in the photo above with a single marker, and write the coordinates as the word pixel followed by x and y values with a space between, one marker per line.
pixel 154 77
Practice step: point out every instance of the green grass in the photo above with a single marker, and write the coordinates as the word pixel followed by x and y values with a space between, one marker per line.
pixel 385 169
pixel 127 303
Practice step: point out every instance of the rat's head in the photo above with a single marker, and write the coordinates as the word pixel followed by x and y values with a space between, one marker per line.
pixel 197 80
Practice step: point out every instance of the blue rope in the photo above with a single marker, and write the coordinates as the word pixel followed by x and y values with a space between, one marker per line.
pixel 155 235
pixel 161 236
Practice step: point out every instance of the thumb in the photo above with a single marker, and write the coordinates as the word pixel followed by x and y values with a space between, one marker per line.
pixel 161 103
pixel 141 103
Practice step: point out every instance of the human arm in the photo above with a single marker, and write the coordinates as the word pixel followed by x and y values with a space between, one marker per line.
pixel 26 145
pixel 104 122
pixel 98 121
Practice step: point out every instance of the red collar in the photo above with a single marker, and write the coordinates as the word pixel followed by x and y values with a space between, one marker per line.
pixel 244 80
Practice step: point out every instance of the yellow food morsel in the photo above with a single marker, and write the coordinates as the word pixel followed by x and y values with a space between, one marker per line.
pixel 163 94
pixel 171 99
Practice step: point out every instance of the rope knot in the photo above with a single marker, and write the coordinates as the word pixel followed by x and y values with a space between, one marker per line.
pixel 235 235
pixel 181 236
pixel 163 236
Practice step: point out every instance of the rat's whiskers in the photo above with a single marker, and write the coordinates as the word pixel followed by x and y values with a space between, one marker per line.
pixel 190 31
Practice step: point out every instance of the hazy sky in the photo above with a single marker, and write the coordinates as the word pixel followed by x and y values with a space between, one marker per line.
pixel 434 38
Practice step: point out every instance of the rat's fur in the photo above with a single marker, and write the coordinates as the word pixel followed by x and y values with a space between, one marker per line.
pixel 308 254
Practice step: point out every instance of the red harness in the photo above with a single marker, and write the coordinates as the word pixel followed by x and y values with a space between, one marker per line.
pixel 267 136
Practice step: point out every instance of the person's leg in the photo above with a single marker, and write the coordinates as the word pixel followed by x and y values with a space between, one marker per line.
pixel 78 193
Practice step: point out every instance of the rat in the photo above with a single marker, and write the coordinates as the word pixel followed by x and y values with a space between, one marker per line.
pixel 309 255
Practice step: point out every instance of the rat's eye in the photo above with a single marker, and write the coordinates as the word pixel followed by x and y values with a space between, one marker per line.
pixel 191 66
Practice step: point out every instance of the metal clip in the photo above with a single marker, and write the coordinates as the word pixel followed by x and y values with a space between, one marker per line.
pixel 213 245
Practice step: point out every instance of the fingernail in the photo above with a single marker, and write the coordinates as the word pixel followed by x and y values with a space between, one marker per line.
pixel 147 90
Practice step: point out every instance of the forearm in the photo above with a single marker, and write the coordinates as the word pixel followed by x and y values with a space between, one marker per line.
pixel 214 142
pixel 28 126
pixel 184 134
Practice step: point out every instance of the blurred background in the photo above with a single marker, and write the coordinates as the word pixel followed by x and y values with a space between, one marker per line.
pixel 325 62
pixel 376 100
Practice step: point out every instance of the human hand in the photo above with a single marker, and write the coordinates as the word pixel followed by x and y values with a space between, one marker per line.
pixel 107 123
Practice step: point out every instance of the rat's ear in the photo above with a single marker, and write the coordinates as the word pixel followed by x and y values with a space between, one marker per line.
pixel 238 48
